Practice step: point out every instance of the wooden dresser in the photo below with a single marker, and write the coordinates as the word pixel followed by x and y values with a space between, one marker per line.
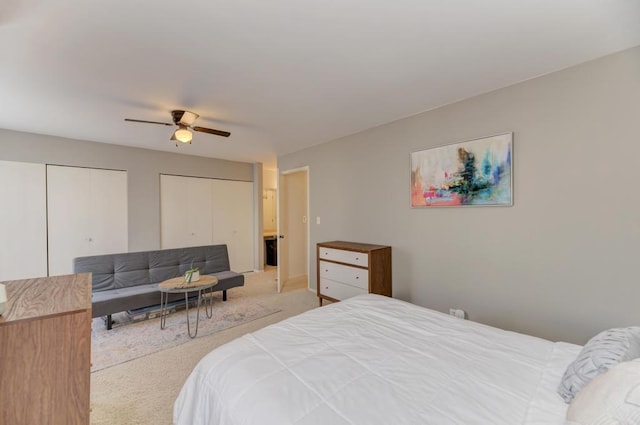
pixel 347 269
pixel 45 351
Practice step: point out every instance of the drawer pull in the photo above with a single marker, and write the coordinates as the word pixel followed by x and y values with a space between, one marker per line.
pixel 357 277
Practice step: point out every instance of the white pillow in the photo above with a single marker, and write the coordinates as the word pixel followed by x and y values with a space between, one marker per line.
pixel 601 352
pixel 612 398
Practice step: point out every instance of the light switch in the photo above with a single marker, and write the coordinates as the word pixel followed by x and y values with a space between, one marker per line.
pixel 318 220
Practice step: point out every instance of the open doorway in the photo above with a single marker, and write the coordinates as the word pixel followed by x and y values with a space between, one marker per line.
pixel 293 229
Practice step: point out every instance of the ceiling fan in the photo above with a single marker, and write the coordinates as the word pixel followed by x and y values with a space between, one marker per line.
pixel 184 120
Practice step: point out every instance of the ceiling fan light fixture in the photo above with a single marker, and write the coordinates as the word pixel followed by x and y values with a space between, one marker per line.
pixel 183 135
pixel 188 117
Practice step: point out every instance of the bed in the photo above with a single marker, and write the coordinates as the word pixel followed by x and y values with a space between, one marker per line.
pixel 376 360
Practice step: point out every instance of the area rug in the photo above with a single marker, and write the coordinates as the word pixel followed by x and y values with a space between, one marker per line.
pixel 131 339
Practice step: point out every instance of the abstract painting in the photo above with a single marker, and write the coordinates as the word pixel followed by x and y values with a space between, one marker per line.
pixel 476 172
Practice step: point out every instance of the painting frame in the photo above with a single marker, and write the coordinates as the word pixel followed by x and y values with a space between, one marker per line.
pixel 471 173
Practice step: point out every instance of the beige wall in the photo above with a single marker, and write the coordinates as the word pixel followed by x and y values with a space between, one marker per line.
pixel 562 262
pixel 270 179
pixel 143 168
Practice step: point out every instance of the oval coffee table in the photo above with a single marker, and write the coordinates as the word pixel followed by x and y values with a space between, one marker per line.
pixel 177 285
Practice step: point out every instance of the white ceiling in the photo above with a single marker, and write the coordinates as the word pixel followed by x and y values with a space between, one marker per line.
pixel 281 75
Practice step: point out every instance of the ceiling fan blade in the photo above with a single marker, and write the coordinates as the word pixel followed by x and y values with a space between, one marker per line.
pixel 212 131
pixel 147 122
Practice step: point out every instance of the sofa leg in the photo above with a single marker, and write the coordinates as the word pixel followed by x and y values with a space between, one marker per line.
pixel 108 322
pixel 224 295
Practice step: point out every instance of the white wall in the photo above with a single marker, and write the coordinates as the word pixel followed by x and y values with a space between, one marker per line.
pixel 143 168
pixel 562 262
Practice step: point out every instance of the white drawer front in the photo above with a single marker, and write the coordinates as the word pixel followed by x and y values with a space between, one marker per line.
pixel 353 276
pixel 349 257
pixel 339 291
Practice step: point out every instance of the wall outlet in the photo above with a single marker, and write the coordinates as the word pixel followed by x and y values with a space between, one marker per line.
pixel 459 313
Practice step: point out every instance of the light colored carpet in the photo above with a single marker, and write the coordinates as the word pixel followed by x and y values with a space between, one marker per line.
pixel 142 391
pixel 123 342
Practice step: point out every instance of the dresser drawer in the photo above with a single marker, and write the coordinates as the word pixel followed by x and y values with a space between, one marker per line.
pixel 339 291
pixel 349 257
pixel 353 276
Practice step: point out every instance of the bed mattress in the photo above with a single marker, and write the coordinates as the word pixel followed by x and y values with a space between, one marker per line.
pixel 377 360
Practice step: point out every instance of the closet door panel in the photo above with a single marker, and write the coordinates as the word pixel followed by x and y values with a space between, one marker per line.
pixel 108 212
pixel 173 225
pixel 87 214
pixel 23 220
pixel 199 212
pixel 185 211
pixel 68 221
pixel 233 221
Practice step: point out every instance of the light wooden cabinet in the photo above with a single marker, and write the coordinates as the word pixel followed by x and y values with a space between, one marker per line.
pixel 23 220
pixel 86 213
pixel 45 351
pixel 269 210
pixel 347 269
pixel 202 211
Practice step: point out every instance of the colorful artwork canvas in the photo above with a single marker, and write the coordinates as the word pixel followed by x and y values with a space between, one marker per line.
pixel 476 172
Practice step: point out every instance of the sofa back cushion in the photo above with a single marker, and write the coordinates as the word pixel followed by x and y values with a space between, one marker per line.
pixel 113 271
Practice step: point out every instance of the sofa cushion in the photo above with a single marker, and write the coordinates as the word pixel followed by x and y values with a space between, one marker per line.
pixel 130 269
pixel 121 299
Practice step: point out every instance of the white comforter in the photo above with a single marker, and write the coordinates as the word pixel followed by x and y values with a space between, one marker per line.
pixel 376 360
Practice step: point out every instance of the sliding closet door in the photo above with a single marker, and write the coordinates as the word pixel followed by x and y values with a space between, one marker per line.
pixel 233 221
pixel 201 211
pixel 23 221
pixel 185 212
pixel 87 214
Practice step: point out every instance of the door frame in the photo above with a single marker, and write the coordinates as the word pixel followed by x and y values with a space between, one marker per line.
pixel 281 175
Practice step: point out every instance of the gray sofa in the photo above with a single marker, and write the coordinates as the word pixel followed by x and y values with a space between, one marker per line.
pixel 130 280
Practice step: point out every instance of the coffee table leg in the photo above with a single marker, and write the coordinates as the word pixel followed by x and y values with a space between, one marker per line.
pixel 208 306
pixel 186 300
pixel 163 306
